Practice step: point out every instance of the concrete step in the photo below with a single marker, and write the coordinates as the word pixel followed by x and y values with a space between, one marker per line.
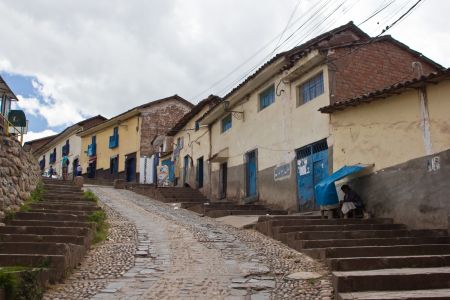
pixel 359 234
pixel 64 194
pixel 234 207
pixel 40 248
pixel 184 200
pixel 318 221
pixel 388 262
pixel 222 213
pixel 344 227
pixel 63 198
pixel 46 230
pixel 34 238
pixel 57 202
pixel 433 294
pixel 40 223
pixel 391 279
pixel 372 242
pixel 378 251
pixel 85 206
pixel 59 266
pixel 62 211
pixel 89 207
pixel 48 217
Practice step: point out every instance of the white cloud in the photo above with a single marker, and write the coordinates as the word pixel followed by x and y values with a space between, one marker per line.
pixel 37 135
pixel 103 57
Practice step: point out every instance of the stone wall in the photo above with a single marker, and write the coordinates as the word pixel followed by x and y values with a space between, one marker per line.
pixel 19 174
pixel 416 193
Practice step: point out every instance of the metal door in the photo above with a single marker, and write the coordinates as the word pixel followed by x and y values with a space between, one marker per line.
pixel 312 167
pixel 131 169
pixel 200 172
pixel 251 174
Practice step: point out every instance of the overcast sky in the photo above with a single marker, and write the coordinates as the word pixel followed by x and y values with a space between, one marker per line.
pixel 71 59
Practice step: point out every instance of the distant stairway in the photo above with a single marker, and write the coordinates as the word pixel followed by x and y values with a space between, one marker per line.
pixel 194 200
pixel 370 258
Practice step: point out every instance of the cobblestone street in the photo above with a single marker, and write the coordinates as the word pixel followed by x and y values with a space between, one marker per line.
pixel 154 251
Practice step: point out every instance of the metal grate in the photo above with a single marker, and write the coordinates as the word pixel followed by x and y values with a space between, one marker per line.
pixel 312 148
pixel 319 146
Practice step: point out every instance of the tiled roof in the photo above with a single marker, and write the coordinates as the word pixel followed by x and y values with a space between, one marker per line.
pixel 394 89
pixel 211 100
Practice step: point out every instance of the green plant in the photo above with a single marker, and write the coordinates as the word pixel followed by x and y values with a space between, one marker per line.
pixel 38 193
pixel 9 216
pixel 29 287
pixel 8 280
pixel 101 227
pixel 90 196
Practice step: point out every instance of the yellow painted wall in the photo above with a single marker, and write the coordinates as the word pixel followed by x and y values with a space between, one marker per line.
pixel 439 108
pixel 129 141
pixel 388 132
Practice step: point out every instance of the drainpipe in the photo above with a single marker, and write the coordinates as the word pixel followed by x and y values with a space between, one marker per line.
pixel 425 120
pixel 424 113
pixel 209 162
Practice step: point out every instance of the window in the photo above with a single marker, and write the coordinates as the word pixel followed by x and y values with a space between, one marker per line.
pixel 311 89
pixel 197 125
pixel 267 97
pixel 116 131
pixel 226 123
pixel 94 139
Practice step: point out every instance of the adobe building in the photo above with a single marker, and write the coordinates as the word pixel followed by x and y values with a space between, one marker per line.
pixel 119 147
pixel 403 130
pixel 269 142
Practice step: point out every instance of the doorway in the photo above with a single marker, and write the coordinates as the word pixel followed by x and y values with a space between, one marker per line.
pixel 200 172
pixel 312 167
pixel 130 167
pixel 250 174
pixel 185 170
pixel 74 168
pixel 223 180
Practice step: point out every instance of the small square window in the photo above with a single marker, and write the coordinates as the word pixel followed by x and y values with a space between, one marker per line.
pixel 226 123
pixel 197 125
pixel 311 89
pixel 267 97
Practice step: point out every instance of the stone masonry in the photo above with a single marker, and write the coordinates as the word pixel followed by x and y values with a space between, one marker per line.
pixel 19 174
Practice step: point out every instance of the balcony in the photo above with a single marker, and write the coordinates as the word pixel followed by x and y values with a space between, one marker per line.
pixel 92 150
pixel 113 141
pixel 52 158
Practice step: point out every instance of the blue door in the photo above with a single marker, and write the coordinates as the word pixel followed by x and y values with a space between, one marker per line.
pixel 312 167
pixel 251 174
pixel 170 167
pixel 186 169
pixel 131 169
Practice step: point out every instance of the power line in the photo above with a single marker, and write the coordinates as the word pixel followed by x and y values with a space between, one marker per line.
pixel 287 25
pixel 377 12
pixel 252 56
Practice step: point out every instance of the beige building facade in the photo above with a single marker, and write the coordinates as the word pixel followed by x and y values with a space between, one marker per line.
pixel 404 132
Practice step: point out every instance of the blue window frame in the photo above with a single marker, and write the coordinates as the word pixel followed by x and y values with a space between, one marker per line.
pixel 226 123
pixel 114 139
pixel 267 97
pixel 311 89
pixel 197 125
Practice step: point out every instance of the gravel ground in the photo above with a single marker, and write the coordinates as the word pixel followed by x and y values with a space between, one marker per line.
pixel 157 252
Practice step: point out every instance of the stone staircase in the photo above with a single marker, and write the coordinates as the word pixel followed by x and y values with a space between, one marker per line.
pixel 370 258
pixel 194 200
pixel 54 233
pixel 221 209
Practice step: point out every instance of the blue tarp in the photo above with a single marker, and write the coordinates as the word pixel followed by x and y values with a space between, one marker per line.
pixel 325 190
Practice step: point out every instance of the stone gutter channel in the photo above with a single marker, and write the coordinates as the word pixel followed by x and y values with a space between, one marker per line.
pixel 176 254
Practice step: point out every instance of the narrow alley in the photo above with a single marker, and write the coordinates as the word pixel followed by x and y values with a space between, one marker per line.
pixel 154 251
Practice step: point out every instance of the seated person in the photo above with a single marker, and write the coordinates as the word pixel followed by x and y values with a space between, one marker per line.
pixel 351 202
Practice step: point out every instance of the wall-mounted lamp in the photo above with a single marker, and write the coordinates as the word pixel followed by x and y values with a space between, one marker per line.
pixel 237 114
